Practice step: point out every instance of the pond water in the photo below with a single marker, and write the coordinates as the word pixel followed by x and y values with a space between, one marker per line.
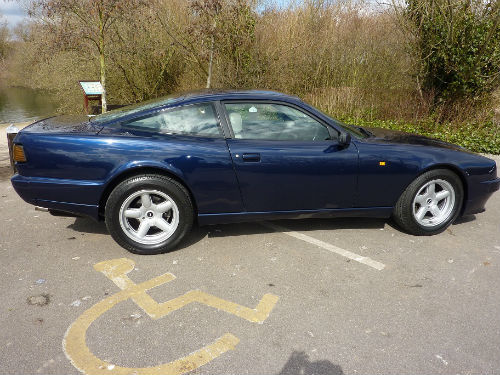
pixel 18 104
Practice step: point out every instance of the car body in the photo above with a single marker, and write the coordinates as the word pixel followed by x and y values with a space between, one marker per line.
pixel 234 173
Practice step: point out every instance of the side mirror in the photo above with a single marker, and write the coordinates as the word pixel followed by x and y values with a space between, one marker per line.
pixel 344 139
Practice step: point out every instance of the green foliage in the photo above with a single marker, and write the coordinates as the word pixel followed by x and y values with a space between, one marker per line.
pixel 458 45
pixel 484 138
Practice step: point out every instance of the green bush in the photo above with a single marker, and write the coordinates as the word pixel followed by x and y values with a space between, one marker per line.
pixel 484 138
pixel 459 45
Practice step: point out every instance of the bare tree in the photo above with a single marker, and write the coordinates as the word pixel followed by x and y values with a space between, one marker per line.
pixel 219 33
pixel 205 26
pixel 76 22
pixel 4 39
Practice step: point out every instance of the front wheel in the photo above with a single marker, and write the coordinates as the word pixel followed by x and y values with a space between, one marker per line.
pixel 149 214
pixel 430 203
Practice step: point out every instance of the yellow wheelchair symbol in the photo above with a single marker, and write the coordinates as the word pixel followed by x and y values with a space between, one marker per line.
pixel 116 270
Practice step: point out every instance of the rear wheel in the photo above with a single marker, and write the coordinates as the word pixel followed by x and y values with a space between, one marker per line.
pixel 149 214
pixel 430 203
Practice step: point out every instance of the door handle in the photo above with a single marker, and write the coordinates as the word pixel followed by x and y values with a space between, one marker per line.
pixel 251 157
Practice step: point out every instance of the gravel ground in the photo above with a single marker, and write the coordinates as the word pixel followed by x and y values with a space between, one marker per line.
pixel 432 309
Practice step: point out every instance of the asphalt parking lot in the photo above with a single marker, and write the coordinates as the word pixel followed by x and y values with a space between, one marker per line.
pixel 324 297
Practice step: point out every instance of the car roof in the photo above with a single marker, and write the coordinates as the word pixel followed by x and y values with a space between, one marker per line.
pixel 191 98
pixel 220 94
pixel 211 94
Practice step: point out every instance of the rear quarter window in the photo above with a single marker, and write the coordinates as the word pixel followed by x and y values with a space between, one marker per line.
pixel 196 119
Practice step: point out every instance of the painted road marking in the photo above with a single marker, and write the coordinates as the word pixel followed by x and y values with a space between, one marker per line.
pixel 116 270
pixel 332 248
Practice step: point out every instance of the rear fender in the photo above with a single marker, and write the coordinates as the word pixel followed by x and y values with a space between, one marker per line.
pixel 137 168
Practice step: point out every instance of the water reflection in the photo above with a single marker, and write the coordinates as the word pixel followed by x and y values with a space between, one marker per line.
pixel 18 104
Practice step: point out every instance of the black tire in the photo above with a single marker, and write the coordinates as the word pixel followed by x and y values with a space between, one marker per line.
pixel 177 194
pixel 404 215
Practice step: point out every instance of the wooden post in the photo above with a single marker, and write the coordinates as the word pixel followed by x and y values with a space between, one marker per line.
pixel 86 104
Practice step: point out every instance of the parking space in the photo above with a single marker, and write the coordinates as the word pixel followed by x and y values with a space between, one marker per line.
pixel 339 296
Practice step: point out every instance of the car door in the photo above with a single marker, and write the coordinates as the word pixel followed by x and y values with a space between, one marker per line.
pixel 286 159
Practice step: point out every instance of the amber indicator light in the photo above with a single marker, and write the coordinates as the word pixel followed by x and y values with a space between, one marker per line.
pixel 18 153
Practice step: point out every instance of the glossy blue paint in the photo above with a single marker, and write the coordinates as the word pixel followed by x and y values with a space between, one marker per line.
pixel 202 164
pixel 73 163
pixel 295 175
pixel 407 156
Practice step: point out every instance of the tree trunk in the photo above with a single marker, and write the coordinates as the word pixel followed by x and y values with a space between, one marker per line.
pixel 102 62
pixel 210 64
pixel 103 82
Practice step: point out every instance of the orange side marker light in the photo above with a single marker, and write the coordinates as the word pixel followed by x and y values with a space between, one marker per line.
pixel 18 153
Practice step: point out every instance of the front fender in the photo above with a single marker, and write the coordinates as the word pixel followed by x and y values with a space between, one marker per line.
pixel 386 170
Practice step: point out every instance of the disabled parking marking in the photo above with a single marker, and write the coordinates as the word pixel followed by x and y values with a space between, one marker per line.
pixel 332 248
pixel 74 342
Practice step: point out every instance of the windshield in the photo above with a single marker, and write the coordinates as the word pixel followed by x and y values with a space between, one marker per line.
pixel 132 109
pixel 357 131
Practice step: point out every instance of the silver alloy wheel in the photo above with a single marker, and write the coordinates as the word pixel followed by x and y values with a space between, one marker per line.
pixel 434 203
pixel 149 217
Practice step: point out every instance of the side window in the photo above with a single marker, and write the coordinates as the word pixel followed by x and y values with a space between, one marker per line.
pixel 196 119
pixel 273 122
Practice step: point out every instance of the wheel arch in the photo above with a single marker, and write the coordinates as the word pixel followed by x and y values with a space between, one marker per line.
pixel 140 170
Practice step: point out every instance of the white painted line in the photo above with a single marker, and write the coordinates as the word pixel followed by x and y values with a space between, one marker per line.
pixel 332 248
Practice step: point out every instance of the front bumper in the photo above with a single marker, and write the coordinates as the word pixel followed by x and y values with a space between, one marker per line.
pixel 479 196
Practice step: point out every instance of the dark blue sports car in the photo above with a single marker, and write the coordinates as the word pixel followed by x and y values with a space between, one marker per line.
pixel 151 170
